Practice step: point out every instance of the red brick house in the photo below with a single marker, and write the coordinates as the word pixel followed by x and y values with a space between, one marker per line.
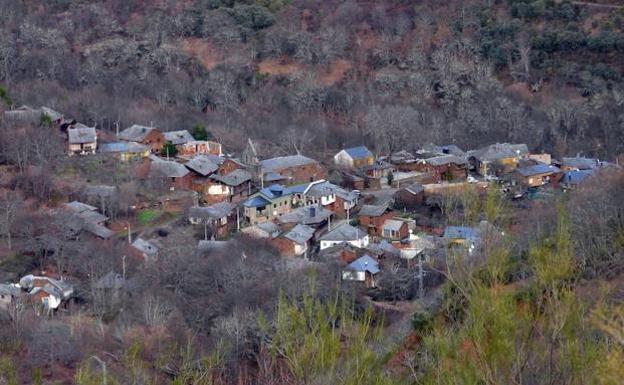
pixel 372 218
pixel 294 242
pixel 409 197
pixel 444 167
pixel 172 175
pixel 148 136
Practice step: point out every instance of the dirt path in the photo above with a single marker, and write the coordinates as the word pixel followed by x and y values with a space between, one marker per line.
pixel 598 5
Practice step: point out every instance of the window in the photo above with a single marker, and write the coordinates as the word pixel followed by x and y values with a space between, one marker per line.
pixel 274 205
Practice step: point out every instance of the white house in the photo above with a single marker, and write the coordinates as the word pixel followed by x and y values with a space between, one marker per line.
pixel 354 157
pixel 363 269
pixel 345 233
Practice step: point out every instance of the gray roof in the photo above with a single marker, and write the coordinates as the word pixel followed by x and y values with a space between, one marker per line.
pixel 135 133
pixel 415 188
pixel 98 230
pixel 101 190
pixel 392 224
pixel 372 211
pixel 81 134
pixel 300 234
pixel 178 137
pixel 146 247
pixel 9 290
pixel 365 263
pixel 306 215
pixel 79 207
pixel 86 212
pixel 215 211
pixel 128 147
pixel 345 232
pixel 168 168
pixel 202 165
pixel 581 163
pixel 281 162
pixel 234 178
pixel 445 159
pixel 24 113
pixel 500 151
pixel 54 115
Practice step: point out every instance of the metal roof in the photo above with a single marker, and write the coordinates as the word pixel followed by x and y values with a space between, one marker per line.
pixel 460 232
pixel 537 169
pixel 123 147
pixel 581 163
pixel 576 176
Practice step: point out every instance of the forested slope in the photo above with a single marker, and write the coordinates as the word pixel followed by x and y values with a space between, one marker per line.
pixel 324 74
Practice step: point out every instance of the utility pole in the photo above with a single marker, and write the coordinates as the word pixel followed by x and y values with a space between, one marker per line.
pixel 421 289
pixel 237 218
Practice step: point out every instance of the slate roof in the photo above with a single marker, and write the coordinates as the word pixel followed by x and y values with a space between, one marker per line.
pixel 272 177
pixel 537 169
pixel 269 228
pixel 345 232
pixel 54 115
pixel 282 162
pixel 500 151
pixel 168 168
pixel 135 133
pixel 306 215
pixel 234 178
pixel 358 152
pixel 445 159
pixel 581 163
pixel 365 263
pixel 460 232
pixel 215 211
pixel 300 234
pixel 257 201
pixel 79 207
pixel 372 211
pixel 178 137
pixel 205 246
pixel 415 188
pixel 392 224
pixel 130 147
pixel 77 135
pixel 202 165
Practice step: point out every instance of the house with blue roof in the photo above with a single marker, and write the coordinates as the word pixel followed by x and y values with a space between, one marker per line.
pixel 536 175
pixel 461 235
pixel 267 204
pixel 354 158
pixel 364 270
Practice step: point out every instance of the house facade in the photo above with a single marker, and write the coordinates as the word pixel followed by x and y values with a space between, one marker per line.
pixel 344 233
pixel 81 140
pixel 372 218
pixel 269 203
pixel 354 158
pixel 292 169
pixel 497 158
pixel 148 136
pixel 444 167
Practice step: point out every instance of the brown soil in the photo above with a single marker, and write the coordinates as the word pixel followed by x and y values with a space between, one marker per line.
pixel 278 67
pixel 207 55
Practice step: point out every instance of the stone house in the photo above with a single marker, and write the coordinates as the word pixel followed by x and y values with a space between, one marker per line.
pixel 497 158
pixel 373 217
pixel 81 139
pixel 148 136
pixel 444 167
pixel 409 197
pixel 292 169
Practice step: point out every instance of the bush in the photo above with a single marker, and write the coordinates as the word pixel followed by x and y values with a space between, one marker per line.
pixel 252 16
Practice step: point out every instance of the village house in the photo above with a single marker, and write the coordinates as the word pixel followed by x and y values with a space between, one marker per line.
pixel 444 167
pixel 394 229
pixel 269 203
pixel 354 158
pixel 409 197
pixel 363 270
pixel 86 218
pixel 202 167
pixel 49 292
pixel 417 246
pixel 327 195
pixel 148 136
pixel 497 158
pixel 144 250
pixel 468 237
pixel 579 163
pixel 536 175
pixel 295 242
pixel 27 114
pixel 186 145
pixel 372 218
pixel 291 169
pixel 262 230
pixel 403 160
pixel 125 151
pixel 218 217
pixel 236 185
pixel 376 175
pixel 344 233
pixel 81 140
pixel 172 175
pixel 314 216
pixel 573 178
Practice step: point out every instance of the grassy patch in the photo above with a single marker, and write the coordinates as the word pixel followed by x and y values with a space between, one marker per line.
pixel 145 217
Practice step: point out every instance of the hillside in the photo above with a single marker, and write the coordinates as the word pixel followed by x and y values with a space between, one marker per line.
pixel 334 72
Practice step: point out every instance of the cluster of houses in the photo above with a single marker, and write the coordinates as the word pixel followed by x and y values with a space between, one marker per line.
pixel 290 202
